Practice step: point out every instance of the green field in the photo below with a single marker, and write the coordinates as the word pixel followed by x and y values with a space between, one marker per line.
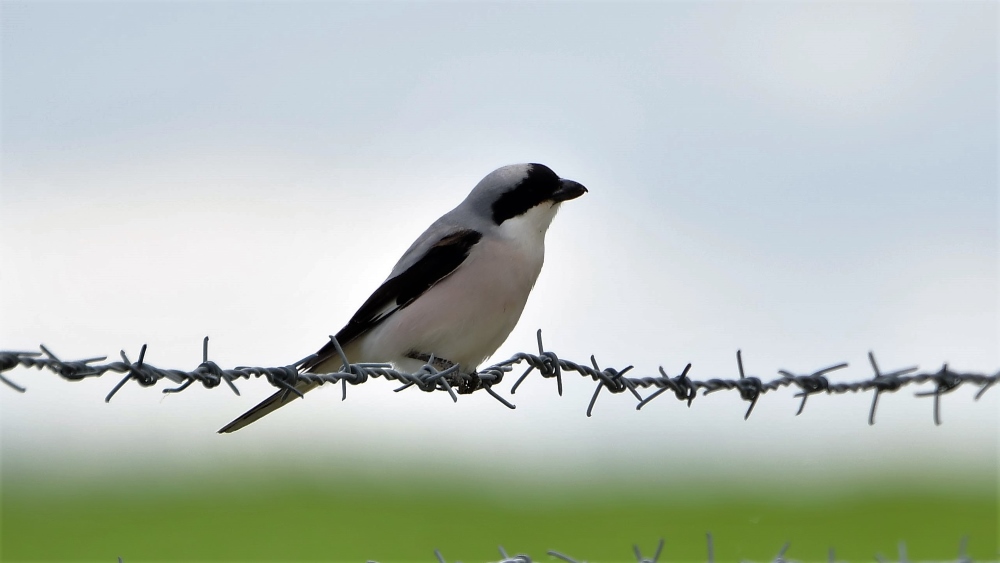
pixel 278 517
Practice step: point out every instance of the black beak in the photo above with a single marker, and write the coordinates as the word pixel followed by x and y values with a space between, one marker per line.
pixel 568 189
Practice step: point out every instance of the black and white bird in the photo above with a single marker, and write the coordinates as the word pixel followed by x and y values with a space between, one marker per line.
pixel 459 290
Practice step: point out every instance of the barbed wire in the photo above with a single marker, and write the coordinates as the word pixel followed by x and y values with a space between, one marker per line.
pixel 963 556
pixel 546 363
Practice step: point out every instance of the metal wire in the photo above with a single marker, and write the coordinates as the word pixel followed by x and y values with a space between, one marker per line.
pixel 779 558
pixel 963 556
pixel 546 363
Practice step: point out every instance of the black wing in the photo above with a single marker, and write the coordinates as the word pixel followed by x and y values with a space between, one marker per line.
pixel 397 292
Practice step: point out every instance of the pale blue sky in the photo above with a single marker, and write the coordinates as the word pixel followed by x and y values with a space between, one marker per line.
pixel 803 181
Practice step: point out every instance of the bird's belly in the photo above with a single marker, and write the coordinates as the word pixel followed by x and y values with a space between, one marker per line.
pixel 466 316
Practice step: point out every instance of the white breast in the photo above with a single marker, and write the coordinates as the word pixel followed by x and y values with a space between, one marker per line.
pixel 465 317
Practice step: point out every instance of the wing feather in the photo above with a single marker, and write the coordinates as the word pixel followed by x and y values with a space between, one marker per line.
pixel 440 260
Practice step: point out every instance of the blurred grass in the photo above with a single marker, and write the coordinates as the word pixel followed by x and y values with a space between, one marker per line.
pixel 344 517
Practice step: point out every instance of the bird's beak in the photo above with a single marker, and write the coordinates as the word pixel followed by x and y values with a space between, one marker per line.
pixel 568 189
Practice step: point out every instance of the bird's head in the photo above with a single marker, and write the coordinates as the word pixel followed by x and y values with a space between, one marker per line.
pixel 523 196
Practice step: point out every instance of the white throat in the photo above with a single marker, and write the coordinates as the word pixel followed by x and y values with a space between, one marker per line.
pixel 531 225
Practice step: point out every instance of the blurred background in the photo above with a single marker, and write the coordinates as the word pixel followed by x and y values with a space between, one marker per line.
pixel 802 181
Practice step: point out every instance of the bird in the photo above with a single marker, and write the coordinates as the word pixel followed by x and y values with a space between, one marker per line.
pixel 458 291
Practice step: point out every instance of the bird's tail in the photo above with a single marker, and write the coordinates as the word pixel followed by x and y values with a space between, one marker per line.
pixel 267 406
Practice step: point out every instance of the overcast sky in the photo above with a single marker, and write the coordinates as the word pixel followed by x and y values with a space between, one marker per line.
pixel 803 181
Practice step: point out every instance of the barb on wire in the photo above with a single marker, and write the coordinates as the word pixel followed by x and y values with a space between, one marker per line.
pixel 656 556
pixel 519 558
pixel 780 558
pixel 438 374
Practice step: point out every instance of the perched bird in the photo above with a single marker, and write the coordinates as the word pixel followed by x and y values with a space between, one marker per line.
pixel 458 290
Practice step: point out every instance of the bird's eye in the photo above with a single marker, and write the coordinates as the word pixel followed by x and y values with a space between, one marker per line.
pixel 537 186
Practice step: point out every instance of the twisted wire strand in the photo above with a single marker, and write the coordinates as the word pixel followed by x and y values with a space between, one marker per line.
pixel 963 556
pixel 549 365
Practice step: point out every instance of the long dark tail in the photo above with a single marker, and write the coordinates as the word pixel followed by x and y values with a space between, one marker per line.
pixel 267 406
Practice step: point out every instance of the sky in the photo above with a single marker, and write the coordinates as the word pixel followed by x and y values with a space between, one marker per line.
pixel 805 182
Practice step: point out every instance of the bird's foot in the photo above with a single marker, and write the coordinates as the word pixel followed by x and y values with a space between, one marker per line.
pixel 464 383
pixel 467 383
pixel 439 364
